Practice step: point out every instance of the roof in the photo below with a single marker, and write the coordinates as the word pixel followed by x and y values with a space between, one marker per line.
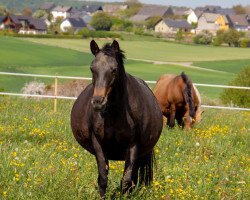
pixel 154 10
pixel 77 22
pixel 62 8
pixel 177 23
pixel 239 20
pixel 181 11
pixel 114 8
pixel 1 19
pixel 38 24
pixel 139 18
pixel 211 17
pixel 47 6
pixel 225 11
pixel 91 8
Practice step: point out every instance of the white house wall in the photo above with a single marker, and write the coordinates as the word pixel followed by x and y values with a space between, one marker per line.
pixel 192 18
pixel 65 25
pixel 57 14
pixel 161 27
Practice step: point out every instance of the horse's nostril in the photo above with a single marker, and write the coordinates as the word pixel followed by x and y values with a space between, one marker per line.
pixel 97 100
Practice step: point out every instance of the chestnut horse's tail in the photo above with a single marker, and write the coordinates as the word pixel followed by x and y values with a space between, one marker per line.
pixel 146 163
pixel 188 94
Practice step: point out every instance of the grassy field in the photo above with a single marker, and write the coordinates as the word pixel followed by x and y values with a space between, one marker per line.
pixel 43 59
pixel 40 158
pixel 162 51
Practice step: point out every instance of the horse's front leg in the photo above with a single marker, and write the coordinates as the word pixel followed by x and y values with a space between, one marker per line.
pixel 187 119
pixel 130 175
pixel 171 122
pixel 102 164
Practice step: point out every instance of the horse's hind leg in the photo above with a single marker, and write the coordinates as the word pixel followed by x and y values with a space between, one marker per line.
pixel 102 164
pixel 129 176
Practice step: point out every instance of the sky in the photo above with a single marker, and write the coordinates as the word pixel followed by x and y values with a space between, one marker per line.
pixel 193 3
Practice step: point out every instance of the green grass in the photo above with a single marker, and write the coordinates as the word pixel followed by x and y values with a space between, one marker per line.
pixel 42 56
pixel 40 158
pixel 232 66
pixel 158 50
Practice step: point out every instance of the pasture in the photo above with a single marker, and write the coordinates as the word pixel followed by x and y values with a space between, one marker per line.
pixel 72 58
pixel 40 158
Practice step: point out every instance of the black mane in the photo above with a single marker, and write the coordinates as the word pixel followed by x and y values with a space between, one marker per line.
pixel 109 51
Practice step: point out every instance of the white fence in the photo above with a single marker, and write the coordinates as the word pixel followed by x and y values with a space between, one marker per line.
pixel 55 96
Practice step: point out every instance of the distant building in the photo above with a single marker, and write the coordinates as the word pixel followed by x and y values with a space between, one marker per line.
pixel 239 22
pixel 61 12
pixel 113 9
pixel 172 26
pixel 1 22
pixel 47 6
pixel 76 24
pixel 92 9
pixel 194 16
pixel 149 11
pixel 24 24
pixel 212 22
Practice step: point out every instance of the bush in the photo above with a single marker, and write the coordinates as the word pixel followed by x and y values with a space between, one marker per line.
pixel 34 87
pixel 238 97
pixel 244 43
pixel 121 25
pixel 86 33
pixel 205 37
pixel 101 21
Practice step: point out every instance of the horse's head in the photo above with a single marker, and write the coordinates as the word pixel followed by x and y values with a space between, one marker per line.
pixel 198 116
pixel 104 70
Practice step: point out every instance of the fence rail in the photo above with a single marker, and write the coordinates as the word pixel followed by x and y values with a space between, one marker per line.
pixel 55 96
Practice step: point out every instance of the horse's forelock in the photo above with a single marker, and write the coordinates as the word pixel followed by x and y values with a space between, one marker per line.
pixel 109 51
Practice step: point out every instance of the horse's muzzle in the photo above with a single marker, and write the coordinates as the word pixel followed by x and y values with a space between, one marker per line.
pixel 99 103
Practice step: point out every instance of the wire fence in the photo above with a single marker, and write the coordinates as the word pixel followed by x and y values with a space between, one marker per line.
pixel 56 97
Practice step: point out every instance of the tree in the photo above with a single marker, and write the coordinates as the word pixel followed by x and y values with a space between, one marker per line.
pixel 239 9
pixel 231 37
pixel 179 35
pixel 205 37
pixel 3 11
pixel 152 21
pixel 27 12
pixel 236 96
pixel 101 21
pixel 133 7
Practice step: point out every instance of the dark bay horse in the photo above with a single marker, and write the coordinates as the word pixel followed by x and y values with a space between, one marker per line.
pixel 117 117
pixel 179 99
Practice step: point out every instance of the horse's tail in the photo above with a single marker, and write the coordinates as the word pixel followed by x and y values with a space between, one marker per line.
pixel 188 94
pixel 146 164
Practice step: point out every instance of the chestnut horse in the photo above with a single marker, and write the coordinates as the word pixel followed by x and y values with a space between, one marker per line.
pixel 179 99
pixel 117 117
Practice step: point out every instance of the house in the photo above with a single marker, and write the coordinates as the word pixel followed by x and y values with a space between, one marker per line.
pixel 208 9
pixel 60 12
pixel 239 22
pixel 149 11
pixel 113 9
pixel 193 16
pixel 76 24
pixel 24 24
pixel 212 22
pixel 182 11
pixel 92 9
pixel 1 23
pixel 172 26
pixel 47 6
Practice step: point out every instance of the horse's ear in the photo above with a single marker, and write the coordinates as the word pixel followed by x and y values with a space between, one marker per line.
pixel 94 47
pixel 115 46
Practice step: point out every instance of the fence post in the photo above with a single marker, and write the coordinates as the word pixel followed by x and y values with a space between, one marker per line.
pixel 55 94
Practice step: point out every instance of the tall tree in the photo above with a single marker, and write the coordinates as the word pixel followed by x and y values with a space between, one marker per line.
pixel 239 9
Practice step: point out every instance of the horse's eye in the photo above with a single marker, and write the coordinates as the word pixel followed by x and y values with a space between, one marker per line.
pixel 114 71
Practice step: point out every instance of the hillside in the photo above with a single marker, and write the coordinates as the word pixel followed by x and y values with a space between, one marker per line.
pixel 18 5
